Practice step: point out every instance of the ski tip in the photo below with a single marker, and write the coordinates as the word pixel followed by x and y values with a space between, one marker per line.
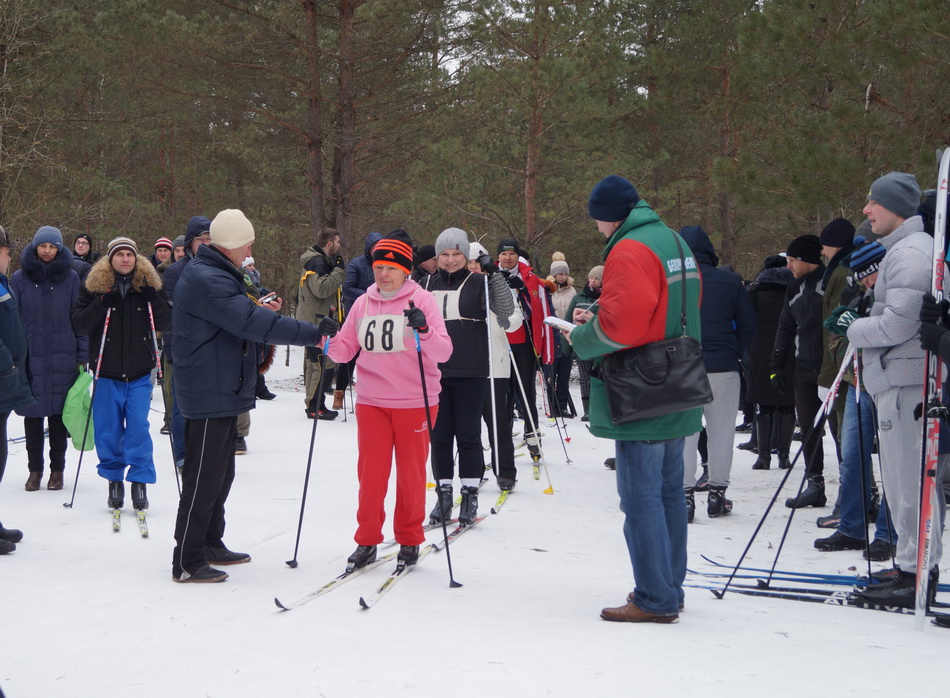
pixel 493 510
pixel 549 490
pixel 281 606
pixel 292 564
pixel 363 603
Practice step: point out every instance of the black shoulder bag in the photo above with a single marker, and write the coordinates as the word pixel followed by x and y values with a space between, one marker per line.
pixel 659 378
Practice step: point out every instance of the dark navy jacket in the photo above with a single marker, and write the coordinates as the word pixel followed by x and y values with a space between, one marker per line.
pixel 359 273
pixel 727 314
pixel 217 332
pixel 196 226
pixel 14 356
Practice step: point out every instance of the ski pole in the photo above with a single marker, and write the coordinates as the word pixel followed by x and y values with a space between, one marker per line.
pixel 544 388
pixel 530 418
pixel 491 381
pixel 161 384
pixel 95 383
pixel 864 476
pixel 313 439
pixel 425 401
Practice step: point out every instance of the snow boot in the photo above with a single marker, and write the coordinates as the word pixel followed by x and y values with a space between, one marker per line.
pixel 337 399
pixel 690 503
pixel 10 535
pixel 443 507
pixel 763 430
pixel 716 503
pixel 786 426
pixel 469 508
pixel 586 404
pixel 408 555
pixel 362 556
pixel 812 496
pixel 116 494
pixel 139 496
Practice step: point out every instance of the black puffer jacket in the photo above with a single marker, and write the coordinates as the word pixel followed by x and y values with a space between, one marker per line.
pixel 768 298
pixel 799 326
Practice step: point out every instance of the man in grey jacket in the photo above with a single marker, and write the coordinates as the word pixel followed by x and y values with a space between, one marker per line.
pixel 894 368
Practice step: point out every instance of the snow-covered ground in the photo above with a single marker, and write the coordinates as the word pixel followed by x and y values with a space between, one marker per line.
pixel 89 612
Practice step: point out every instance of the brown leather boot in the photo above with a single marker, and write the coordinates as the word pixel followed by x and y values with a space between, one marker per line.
pixel 631 613
pixel 33 481
pixel 55 480
pixel 337 400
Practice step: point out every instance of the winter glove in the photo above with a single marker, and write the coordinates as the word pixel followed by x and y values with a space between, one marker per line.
pixel 151 295
pixel 416 319
pixel 328 326
pixel 840 320
pixel 931 337
pixel 932 312
pixel 488 266
pixel 515 282
pixel 778 383
pixel 338 262
pixel 110 299
pixel 918 411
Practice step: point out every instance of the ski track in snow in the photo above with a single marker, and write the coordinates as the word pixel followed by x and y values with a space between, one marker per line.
pixel 89 612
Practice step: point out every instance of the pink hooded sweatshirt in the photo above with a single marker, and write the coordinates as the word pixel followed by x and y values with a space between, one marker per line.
pixel 388 365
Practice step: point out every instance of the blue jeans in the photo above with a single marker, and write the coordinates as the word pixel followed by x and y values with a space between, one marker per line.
pixel 857 440
pixel 650 485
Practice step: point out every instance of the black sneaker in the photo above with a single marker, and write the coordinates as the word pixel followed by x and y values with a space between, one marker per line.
pixel 880 551
pixel 223 556
pixel 839 541
pixel 327 415
pixel 203 575
pixel 830 521
pixel 266 395
pixel 408 555
pixel 362 556
pixel 744 428
pixel 164 431
pixel 611 463
pixel 240 446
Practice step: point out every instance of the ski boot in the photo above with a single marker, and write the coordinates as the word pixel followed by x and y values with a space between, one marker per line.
pixel 408 555
pixel 690 503
pixel 139 497
pixel 443 507
pixel 702 484
pixel 116 494
pixel 469 508
pixel 716 503
pixel 362 556
pixel 812 496
pixel 534 446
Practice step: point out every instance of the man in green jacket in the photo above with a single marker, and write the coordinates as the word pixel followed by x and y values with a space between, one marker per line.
pixel 649 452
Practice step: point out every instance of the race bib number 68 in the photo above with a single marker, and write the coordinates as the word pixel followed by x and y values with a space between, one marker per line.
pixel 382 333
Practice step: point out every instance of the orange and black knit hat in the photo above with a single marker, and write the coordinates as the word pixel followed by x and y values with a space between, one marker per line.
pixel 394 249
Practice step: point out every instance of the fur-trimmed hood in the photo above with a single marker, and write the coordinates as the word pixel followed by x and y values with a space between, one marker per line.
pixel 39 271
pixel 102 277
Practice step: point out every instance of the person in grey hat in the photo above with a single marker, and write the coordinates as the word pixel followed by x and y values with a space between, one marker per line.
pixel 178 248
pixel 894 370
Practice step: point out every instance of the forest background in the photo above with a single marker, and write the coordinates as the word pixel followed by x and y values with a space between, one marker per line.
pixel 758 120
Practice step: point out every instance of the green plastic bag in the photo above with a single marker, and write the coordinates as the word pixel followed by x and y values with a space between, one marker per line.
pixel 76 411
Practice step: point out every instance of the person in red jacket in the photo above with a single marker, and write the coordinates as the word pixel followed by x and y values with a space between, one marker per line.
pixel 533 342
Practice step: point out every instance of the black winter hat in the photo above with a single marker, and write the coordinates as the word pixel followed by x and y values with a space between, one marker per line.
pixel 838 233
pixel 612 199
pixel 775 261
pixel 806 248
pixel 509 245
pixel 424 253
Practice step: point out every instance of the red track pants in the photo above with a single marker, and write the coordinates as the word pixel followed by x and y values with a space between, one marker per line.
pixel 380 432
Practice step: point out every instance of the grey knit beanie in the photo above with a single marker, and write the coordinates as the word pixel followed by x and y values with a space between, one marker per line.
pixel 452 239
pixel 898 192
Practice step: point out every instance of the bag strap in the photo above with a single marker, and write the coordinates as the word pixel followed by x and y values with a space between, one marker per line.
pixel 676 239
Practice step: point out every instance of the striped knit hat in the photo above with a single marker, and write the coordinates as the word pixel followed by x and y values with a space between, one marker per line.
pixel 122 244
pixel 164 242
pixel 395 250
pixel 866 258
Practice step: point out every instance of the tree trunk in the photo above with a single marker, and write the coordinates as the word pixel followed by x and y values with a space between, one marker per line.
pixel 344 175
pixel 314 125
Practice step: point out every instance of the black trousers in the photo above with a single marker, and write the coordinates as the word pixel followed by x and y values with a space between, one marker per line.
pixel 807 405
pixel 33 426
pixel 459 421
pixel 4 449
pixel 506 448
pixel 525 363
pixel 205 484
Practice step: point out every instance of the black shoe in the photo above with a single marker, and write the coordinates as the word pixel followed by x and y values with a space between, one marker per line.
pixel 408 555
pixel 744 428
pixel 716 503
pixel 164 431
pixel 266 395
pixel 812 496
pixel 10 535
pixel 506 483
pixel 797 435
pixel 362 556
pixel 6 547
pixel 240 446
pixel 702 484
pixel 690 503
pixel 311 414
pixel 879 551
pixel 443 505
pixel 763 462
pixel 469 509
pixel 750 446
pixel 611 463
pixel 202 575
pixel 139 496
pixel 223 556
pixel 783 461
pixel 327 415
pixel 830 521
pixel 900 591
pixel 116 494
pixel 839 541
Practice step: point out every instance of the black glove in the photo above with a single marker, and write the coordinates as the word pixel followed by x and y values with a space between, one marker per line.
pixel 930 336
pixel 515 282
pixel 110 299
pixel 151 295
pixel 416 319
pixel 488 266
pixel 778 383
pixel 328 326
pixel 338 262
pixel 918 411
pixel 933 312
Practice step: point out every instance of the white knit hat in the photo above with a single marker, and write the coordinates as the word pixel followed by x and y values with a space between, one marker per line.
pixel 231 229
pixel 476 250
